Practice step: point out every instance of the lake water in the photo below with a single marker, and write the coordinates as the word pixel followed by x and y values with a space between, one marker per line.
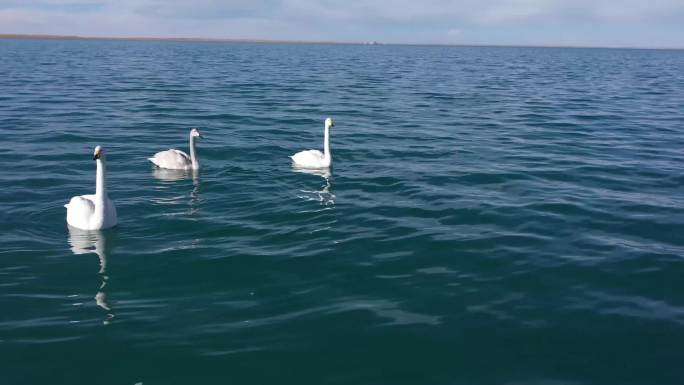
pixel 494 215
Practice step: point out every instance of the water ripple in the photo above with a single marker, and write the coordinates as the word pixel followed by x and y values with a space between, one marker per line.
pixel 518 209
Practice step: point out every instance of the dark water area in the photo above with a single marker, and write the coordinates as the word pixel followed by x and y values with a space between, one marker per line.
pixel 493 216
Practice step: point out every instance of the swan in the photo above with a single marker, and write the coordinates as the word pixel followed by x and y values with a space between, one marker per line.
pixel 176 159
pixel 93 212
pixel 315 158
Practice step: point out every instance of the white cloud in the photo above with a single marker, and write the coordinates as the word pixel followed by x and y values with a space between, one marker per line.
pixel 454 32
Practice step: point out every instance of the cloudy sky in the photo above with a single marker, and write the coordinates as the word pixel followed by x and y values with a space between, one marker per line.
pixel 634 23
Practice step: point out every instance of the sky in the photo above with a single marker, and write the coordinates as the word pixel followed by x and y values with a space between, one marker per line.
pixel 613 23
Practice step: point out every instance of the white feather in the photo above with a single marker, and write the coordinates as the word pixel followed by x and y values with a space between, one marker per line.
pixel 315 158
pixel 178 160
pixel 93 212
pixel 172 159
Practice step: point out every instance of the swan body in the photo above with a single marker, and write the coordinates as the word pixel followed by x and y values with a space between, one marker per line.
pixel 316 158
pixel 176 159
pixel 93 211
pixel 310 158
pixel 172 159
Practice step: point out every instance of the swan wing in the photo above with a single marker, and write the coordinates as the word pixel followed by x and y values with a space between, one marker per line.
pixel 79 210
pixel 172 159
pixel 308 158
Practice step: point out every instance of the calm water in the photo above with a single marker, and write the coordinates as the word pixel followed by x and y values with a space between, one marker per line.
pixel 494 216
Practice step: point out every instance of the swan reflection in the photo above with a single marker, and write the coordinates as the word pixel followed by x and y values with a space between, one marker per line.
pixel 98 242
pixel 167 176
pixel 324 196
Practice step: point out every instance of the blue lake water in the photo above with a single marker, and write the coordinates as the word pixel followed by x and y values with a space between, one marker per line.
pixel 494 215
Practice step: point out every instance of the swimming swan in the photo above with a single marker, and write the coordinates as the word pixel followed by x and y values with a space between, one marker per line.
pixel 176 159
pixel 93 212
pixel 315 158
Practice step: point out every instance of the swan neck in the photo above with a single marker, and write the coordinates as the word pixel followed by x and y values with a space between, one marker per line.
pixel 193 156
pixel 100 186
pixel 326 144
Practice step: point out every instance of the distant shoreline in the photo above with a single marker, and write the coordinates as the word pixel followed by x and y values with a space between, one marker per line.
pixel 276 41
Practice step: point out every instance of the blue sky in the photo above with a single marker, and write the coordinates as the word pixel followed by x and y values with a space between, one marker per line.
pixel 633 23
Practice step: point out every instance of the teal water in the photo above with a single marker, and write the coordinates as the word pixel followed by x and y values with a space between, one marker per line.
pixel 494 215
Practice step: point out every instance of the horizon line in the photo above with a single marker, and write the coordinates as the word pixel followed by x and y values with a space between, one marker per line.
pixel 25 36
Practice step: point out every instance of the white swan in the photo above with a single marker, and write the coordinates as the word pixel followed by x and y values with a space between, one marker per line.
pixel 93 212
pixel 315 158
pixel 176 159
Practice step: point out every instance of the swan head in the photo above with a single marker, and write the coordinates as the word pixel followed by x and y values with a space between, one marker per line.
pixel 195 133
pixel 329 123
pixel 99 153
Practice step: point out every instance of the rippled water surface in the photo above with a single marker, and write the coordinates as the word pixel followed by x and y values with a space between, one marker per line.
pixel 494 215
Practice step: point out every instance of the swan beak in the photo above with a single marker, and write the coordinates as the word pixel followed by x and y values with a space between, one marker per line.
pixel 96 156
